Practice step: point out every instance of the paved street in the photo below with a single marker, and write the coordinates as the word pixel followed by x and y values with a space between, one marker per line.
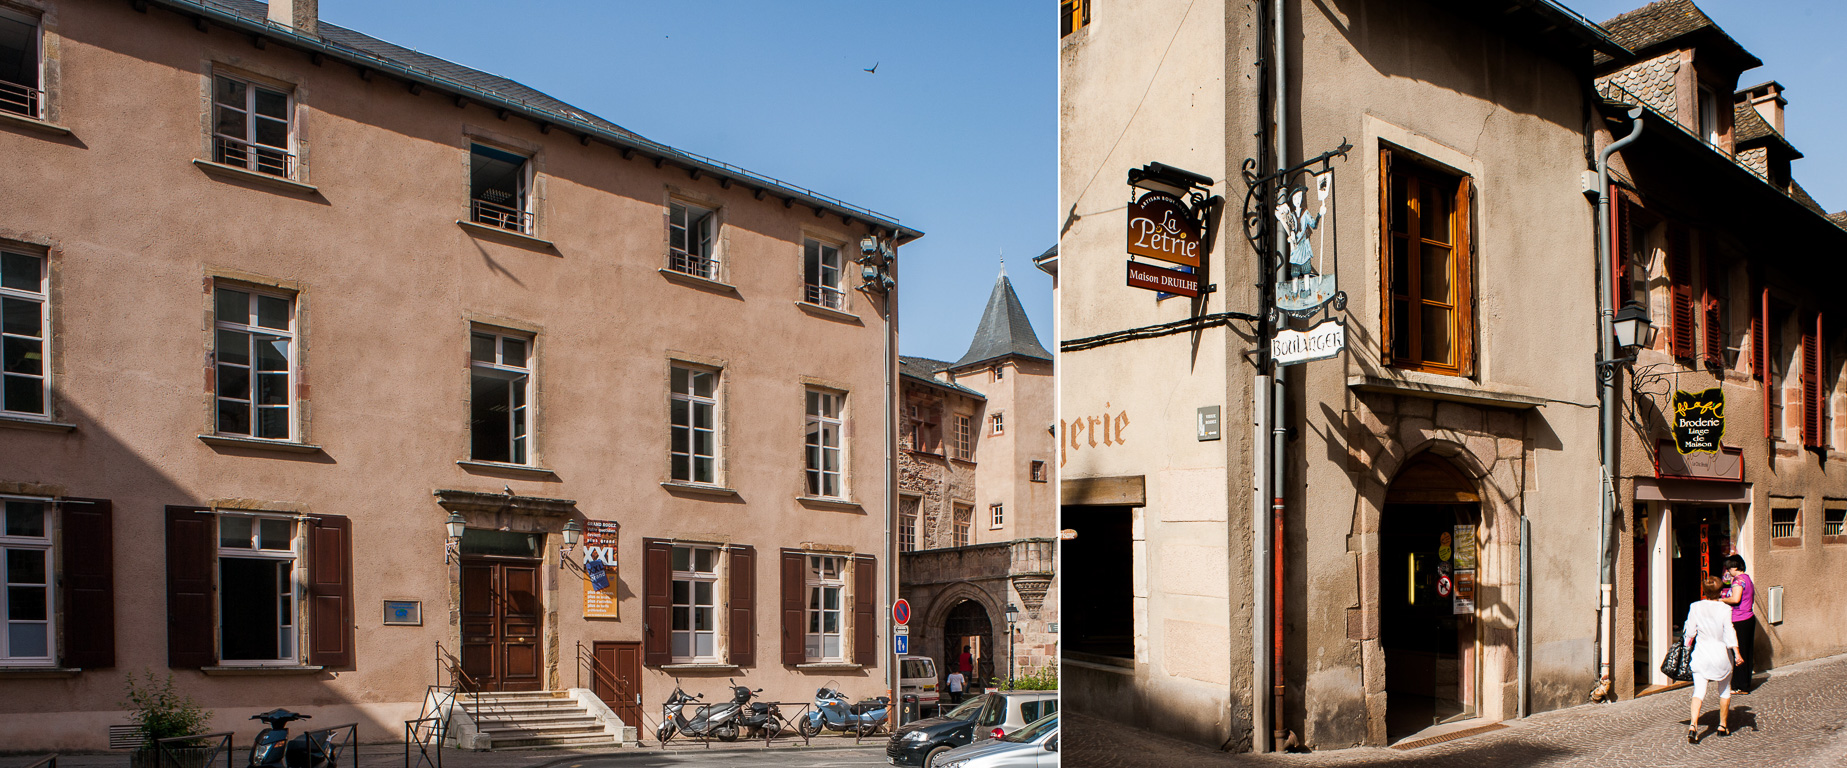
pixel 1797 718
pixel 824 754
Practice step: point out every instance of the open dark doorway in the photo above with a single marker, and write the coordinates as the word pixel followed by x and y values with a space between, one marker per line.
pixel 967 627
pixel 1428 562
pixel 1099 603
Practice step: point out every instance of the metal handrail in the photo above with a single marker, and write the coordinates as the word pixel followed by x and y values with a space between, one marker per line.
pixel 826 296
pixel 163 749
pixel 260 158
pixel 587 660
pixel 327 751
pixel 693 264
pixel 19 98
pixel 421 732
pixel 500 216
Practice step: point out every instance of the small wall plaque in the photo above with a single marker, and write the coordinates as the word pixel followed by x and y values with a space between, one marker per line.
pixel 408 613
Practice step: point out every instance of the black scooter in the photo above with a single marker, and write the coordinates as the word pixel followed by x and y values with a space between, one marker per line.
pixel 709 720
pixel 274 749
pixel 760 720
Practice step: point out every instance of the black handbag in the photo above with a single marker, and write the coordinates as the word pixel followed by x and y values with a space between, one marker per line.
pixel 1679 662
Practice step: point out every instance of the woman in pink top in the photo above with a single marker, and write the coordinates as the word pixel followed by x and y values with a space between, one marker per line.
pixel 1739 596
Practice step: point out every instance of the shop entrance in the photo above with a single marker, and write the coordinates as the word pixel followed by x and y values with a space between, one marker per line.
pixel 1684 543
pixel 1429 559
pixel 1099 620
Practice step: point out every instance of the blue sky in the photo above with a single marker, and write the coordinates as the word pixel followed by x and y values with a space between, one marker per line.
pixel 1799 42
pixel 955 134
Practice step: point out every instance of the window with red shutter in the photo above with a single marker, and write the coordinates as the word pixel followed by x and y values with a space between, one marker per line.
pixel 793 617
pixel 742 603
pixel 1680 285
pixel 1715 288
pixel 865 610
pixel 87 556
pixel 1814 400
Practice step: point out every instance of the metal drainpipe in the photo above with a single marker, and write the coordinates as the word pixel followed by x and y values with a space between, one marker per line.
pixel 1525 641
pixel 1279 422
pixel 1607 400
pixel 891 464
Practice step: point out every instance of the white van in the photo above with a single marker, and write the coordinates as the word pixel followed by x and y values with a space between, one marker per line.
pixel 917 675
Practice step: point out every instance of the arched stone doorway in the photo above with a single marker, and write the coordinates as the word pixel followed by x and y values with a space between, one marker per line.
pixel 1429 590
pixel 967 626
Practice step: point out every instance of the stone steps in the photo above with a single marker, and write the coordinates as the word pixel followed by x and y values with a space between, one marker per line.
pixel 534 720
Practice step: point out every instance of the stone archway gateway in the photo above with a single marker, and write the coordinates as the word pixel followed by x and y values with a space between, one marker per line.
pixel 967 625
pixel 1430 568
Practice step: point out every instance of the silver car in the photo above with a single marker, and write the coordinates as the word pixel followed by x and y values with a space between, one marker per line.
pixel 1035 746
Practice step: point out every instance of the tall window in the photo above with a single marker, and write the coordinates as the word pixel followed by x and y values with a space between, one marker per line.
pixel 964 519
pixel 997 515
pixel 695 425
pixel 996 424
pixel 25 544
pixel 823 444
pixel 24 324
pixel 256 588
pixel 821 275
pixel 1073 15
pixel 1708 116
pixel 1427 315
pixel 907 524
pixel 19 64
pixel 826 584
pixel 695 627
pixel 965 437
pixel 692 232
pixel 500 397
pixel 251 127
pixel 256 334
pixel 498 189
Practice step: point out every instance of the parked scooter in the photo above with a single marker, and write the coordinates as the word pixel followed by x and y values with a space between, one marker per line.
pixel 832 712
pixel 760 720
pixel 708 720
pixel 274 749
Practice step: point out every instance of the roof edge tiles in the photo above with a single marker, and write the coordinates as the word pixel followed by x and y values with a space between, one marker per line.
pixel 228 15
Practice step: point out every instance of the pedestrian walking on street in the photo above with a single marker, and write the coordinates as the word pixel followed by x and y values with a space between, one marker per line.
pixel 966 662
pixel 956 684
pixel 1715 652
pixel 1739 596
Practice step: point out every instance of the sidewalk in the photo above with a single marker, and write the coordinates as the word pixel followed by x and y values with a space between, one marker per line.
pixel 1797 718
pixel 783 751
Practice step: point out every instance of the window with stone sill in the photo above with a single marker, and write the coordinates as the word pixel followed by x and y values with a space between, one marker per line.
pixel 822 275
pixel 21 67
pixel 694 610
pixel 964 437
pixel 826 585
pixel 694 425
pixel 25 324
pixel 500 397
pixel 26 603
pixel 907 524
pixel 255 362
pixel 964 520
pixel 997 424
pixel 997 515
pixel 252 126
pixel 692 240
pixel 257 612
pixel 500 189
pixel 824 447
pixel 1428 312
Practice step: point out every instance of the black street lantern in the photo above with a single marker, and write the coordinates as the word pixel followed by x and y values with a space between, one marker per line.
pixel 1632 326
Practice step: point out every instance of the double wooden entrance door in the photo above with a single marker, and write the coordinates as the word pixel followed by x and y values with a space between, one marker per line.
pixel 501 623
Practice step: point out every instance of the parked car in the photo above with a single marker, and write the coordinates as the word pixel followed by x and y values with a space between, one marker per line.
pixel 1033 746
pixel 1007 711
pixel 917 675
pixel 919 743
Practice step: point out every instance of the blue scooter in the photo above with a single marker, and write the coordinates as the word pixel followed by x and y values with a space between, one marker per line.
pixel 833 712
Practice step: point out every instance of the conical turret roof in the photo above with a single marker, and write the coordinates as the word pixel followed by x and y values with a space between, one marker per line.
pixel 1004 329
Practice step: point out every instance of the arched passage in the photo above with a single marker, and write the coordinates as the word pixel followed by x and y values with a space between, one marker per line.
pixel 1429 563
pixel 967 627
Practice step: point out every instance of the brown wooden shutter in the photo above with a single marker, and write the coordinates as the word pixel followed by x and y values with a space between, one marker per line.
pixel 1814 418
pixel 191 553
pixel 1619 245
pixel 657 601
pixel 86 555
pixel 1760 349
pixel 793 618
pixel 1466 329
pixel 742 622
pixel 865 610
pixel 1385 256
pixel 1714 310
pixel 330 591
pixel 1680 284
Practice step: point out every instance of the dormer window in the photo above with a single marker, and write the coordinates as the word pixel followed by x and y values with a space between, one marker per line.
pixel 1709 116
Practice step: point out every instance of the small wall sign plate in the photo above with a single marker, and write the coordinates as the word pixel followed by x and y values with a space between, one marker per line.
pixel 408 613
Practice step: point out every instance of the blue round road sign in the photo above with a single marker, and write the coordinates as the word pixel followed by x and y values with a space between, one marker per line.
pixel 901 611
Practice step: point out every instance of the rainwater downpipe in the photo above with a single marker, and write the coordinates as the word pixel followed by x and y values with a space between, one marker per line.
pixel 1279 425
pixel 1525 640
pixel 1607 400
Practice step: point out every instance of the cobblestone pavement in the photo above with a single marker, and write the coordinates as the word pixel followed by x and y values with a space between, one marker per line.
pixel 823 754
pixel 1797 717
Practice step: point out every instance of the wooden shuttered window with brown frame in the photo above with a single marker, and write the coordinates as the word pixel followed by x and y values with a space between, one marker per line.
pixel 1683 313
pixel 1814 389
pixel 192 549
pixel 865 610
pixel 1427 293
pixel 656 602
pixel 794 588
pixel 86 548
pixel 1622 250
pixel 330 591
pixel 1714 288
pixel 1760 360
pixel 741 605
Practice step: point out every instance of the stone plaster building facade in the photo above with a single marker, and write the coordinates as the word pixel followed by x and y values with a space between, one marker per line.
pixel 300 296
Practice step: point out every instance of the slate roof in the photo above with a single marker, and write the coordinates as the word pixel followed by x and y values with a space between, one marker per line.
pixel 1665 20
pixel 1802 196
pixel 1748 126
pixel 1004 329
pixel 1839 219
pixel 925 369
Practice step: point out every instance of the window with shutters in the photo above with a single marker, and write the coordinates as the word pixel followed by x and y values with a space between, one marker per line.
pixel 252 126
pixel 500 396
pixel 25 324
pixel 694 608
pixel 824 445
pixel 1683 306
pixel 255 363
pixel 1814 384
pixel 694 418
pixel 1429 315
pixel 692 240
pixel 258 620
pixel 1722 348
pixel 26 603
pixel 1777 360
pixel 822 275
pixel 827 583
pixel 20 67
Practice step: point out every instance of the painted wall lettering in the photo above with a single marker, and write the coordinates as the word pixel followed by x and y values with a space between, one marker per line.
pixel 1086 432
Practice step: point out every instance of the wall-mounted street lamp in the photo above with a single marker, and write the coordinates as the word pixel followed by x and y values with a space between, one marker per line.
pixel 1633 331
pixel 1013 614
pixel 455 525
pixel 571 532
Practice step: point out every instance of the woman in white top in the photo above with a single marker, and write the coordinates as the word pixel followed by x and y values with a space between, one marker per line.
pixel 1715 652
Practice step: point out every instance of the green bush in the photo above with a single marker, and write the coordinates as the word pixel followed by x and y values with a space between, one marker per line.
pixel 1045 679
pixel 161 712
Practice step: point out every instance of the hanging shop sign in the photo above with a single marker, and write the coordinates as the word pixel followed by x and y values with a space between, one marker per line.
pixel 1163 280
pixel 1698 420
pixel 1304 215
pixel 601 538
pixel 1321 342
pixel 1726 464
pixel 1161 226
